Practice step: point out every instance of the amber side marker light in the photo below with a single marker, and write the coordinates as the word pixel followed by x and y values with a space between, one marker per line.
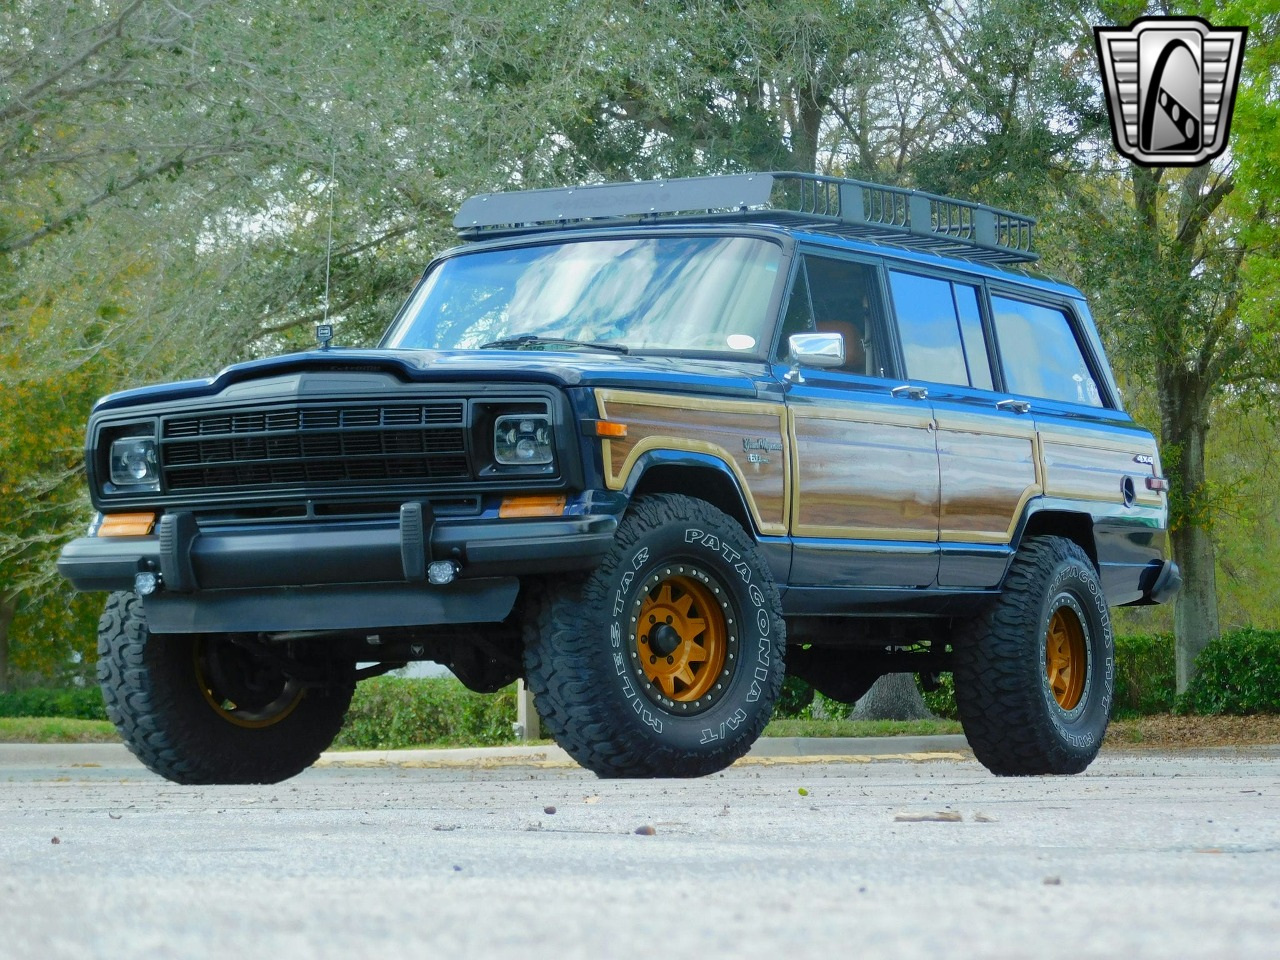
pixel 127 525
pixel 513 507
pixel 608 428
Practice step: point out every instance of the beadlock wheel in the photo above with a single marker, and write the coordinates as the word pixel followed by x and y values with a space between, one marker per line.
pixel 666 660
pixel 682 641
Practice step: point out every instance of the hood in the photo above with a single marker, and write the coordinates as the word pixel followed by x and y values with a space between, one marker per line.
pixel 576 368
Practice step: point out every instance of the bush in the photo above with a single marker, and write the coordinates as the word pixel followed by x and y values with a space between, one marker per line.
pixel 942 702
pixel 389 713
pixel 1146 676
pixel 793 702
pixel 1238 673
pixel 81 703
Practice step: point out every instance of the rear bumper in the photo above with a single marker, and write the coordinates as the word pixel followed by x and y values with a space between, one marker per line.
pixel 344 575
pixel 1159 581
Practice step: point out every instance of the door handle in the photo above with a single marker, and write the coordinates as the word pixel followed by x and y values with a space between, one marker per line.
pixel 1017 406
pixel 910 391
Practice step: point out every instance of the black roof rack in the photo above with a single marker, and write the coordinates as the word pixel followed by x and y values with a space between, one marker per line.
pixel 853 208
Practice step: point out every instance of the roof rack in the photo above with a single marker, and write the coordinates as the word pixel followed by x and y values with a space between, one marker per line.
pixel 853 208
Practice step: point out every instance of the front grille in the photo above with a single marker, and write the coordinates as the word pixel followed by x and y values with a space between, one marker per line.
pixel 317 446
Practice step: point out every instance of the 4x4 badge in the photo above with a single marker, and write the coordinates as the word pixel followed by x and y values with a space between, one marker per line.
pixel 1170 85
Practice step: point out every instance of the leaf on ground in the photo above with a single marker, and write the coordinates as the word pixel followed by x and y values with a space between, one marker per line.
pixel 646 831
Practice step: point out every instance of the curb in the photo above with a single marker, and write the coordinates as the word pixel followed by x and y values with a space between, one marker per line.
pixel 767 751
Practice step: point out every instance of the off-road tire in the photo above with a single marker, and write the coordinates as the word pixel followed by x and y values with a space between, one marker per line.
pixel 673 557
pixel 151 685
pixel 1014 722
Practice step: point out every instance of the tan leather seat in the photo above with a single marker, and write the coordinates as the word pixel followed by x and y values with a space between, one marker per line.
pixel 855 355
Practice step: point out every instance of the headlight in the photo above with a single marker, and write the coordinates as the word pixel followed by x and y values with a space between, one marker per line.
pixel 134 464
pixel 523 440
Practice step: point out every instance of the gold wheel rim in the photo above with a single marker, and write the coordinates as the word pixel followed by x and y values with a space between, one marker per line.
pixel 682 610
pixel 1066 660
pixel 291 694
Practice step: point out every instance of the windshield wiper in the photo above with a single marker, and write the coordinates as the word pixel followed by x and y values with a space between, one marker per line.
pixel 534 340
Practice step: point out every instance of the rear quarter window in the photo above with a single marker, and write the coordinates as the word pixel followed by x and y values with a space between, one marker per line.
pixel 1040 354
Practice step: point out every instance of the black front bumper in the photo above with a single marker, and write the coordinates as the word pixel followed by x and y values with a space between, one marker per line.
pixel 338 575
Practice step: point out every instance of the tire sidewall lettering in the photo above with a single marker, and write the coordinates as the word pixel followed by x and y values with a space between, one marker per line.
pixel 752 625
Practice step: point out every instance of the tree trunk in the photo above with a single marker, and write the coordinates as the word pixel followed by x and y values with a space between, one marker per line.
pixel 8 607
pixel 1195 610
pixel 894 696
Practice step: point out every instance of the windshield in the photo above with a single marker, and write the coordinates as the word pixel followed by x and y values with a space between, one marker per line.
pixel 660 294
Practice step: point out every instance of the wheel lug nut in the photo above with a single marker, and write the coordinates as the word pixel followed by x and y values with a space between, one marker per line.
pixel 653 659
pixel 671 659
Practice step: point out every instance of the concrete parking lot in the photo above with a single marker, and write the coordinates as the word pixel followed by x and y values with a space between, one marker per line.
pixel 786 856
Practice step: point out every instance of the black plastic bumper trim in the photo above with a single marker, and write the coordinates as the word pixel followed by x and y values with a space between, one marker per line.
pixel 345 607
pixel 366 552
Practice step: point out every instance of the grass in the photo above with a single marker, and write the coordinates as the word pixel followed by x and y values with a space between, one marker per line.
pixel 56 730
pixel 860 728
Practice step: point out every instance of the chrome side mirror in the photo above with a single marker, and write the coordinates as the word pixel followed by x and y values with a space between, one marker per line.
pixel 813 350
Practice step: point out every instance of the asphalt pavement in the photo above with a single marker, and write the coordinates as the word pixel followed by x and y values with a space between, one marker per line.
pixel 883 851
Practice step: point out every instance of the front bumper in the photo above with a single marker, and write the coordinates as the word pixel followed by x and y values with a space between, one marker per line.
pixel 335 575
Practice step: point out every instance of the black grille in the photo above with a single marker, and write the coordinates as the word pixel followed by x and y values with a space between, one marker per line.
pixel 315 446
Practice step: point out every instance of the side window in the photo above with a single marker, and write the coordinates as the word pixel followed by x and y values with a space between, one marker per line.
pixel 839 297
pixel 799 316
pixel 1040 354
pixel 941 330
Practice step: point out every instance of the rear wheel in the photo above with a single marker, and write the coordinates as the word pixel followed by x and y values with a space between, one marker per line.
pixel 1034 674
pixel 667 660
pixel 201 708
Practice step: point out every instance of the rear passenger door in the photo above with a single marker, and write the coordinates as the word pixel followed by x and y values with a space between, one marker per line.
pixel 986 444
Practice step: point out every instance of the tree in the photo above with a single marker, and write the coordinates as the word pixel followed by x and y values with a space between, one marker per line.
pixel 1183 261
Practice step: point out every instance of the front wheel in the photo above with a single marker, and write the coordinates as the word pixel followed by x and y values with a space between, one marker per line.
pixel 667 660
pixel 200 708
pixel 1034 674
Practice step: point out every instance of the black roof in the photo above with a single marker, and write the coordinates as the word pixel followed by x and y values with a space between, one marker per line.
pixel 851 208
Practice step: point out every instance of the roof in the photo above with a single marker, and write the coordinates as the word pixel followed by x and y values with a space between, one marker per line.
pixel 852 208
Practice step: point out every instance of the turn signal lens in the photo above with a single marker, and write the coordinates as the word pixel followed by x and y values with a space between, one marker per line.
pixel 513 507
pixel 608 428
pixel 127 525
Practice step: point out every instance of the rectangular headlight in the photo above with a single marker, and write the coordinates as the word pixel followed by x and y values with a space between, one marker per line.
pixel 135 464
pixel 523 439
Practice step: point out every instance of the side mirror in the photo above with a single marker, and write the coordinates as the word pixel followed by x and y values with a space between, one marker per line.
pixel 814 350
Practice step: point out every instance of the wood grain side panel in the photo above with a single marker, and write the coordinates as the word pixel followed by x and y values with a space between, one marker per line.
pixel 1075 469
pixel 717 428
pixel 987 478
pixel 865 477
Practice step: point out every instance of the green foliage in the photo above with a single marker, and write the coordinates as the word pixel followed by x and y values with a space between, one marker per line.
pixel 1238 674
pixel 389 713
pixel 83 703
pixel 1145 675
pixel 802 727
pixel 56 730
pixel 795 698
pixel 941 702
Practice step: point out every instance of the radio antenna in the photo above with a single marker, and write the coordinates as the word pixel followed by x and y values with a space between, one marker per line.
pixel 328 253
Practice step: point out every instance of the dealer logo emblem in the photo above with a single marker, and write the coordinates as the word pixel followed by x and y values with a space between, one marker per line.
pixel 1170 85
